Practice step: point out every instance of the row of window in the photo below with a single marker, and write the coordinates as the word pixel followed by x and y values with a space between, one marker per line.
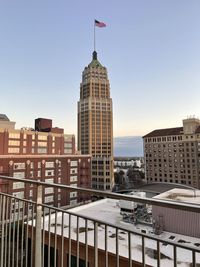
pixel 164 139
pixel 185 144
pixel 48 164
pixel 39 150
pixel 40 137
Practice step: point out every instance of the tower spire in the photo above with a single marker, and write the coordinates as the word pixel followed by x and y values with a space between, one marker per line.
pixel 94 55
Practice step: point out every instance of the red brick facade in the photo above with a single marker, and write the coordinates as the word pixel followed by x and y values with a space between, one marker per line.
pixel 22 142
pixel 67 170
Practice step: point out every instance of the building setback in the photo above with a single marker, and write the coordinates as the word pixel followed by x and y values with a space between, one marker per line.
pixel 173 155
pixel 95 123
pixel 45 156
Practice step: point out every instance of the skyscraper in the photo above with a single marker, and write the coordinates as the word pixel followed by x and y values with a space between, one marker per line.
pixel 95 123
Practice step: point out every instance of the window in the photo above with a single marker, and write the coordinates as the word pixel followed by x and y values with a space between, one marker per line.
pixel 68 145
pixel 49 190
pixel 48 199
pixel 42 150
pixel 49 164
pixel 13 143
pixel 73 178
pixel 73 171
pixel 19 194
pixel 19 166
pixel 73 163
pixel 19 175
pixel 18 185
pixel 42 137
pixel 13 150
pixel 49 173
pixel 14 135
pixel 42 144
pixel 73 194
pixel 68 151
pixel 68 138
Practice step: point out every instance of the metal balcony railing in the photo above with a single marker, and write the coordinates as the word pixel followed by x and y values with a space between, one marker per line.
pixel 35 234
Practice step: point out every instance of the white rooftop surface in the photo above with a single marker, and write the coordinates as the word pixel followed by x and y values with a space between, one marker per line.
pixel 108 211
pixel 182 195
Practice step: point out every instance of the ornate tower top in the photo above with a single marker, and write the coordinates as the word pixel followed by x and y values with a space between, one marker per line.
pixel 95 62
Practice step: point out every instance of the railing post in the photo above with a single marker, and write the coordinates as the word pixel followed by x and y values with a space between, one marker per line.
pixel 38 232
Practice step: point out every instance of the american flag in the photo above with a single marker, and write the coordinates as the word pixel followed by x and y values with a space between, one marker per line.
pixel 99 24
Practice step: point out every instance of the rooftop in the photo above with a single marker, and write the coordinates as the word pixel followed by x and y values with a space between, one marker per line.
pixel 169 131
pixel 108 211
pixel 96 229
pixel 165 132
pixel 159 187
pixel 182 195
pixel 3 117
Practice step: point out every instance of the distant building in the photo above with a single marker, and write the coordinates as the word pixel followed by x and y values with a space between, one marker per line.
pixel 126 162
pixel 6 123
pixel 173 155
pixel 27 142
pixel 45 156
pixel 95 123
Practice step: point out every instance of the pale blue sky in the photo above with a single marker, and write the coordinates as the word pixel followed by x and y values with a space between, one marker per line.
pixel 150 47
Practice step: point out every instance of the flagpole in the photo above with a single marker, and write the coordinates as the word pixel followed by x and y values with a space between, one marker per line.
pixel 94 37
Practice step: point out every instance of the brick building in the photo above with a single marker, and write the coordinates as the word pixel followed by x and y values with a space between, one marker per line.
pixel 26 142
pixel 46 156
pixel 71 170
pixel 173 155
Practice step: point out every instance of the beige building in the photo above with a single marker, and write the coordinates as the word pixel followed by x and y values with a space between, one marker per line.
pixel 95 123
pixel 173 155
pixel 5 123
